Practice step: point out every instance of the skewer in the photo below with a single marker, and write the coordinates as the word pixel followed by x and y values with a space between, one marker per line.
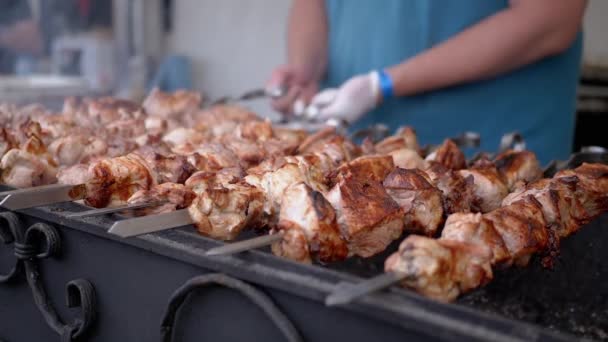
pixel 103 211
pixel 346 294
pixel 245 245
pixel 43 195
pixel 150 224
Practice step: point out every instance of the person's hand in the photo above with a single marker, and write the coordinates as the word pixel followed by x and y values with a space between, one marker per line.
pixel 350 102
pixel 300 89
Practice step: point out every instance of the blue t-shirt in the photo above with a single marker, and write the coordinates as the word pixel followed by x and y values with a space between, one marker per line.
pixel 538 100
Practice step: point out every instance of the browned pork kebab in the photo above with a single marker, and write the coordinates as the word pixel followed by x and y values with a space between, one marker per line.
pixel 35 144
pixel 532 220
pixel 330 206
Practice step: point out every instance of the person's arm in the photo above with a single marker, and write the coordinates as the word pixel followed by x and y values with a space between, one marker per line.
pixel 306 53
pixel 23 36
pixel 527 31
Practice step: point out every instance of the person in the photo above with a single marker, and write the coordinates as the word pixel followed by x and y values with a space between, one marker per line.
pixel 443 67
pixel 19 34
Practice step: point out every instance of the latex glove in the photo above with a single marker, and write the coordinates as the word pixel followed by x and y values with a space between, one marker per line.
pixel 351 101
pixel 300 89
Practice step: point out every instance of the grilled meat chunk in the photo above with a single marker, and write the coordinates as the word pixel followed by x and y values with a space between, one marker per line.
pixel 7 141
pixel 22 169
pixel 448 155
pixel 222 212
pixel 407 159
pixel 440 269
pixel 404 138
pixel 172 105
pixel 75 149
pixel 489 186
pixel 421 202
pixel 327 141
pixel 114 180
pixel 374 168
pixel 310 226
pixel 168 169
pixel 368 217
pixel 516 166
pixel 458 191
pixel 475 229
pixel 172 196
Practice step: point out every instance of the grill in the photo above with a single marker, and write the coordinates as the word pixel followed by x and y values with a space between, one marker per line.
pixel 136 296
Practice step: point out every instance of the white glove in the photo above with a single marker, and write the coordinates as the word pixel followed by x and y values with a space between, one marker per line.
pixel 350 102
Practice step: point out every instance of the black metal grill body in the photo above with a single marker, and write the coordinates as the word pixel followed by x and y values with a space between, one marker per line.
pixel 134 279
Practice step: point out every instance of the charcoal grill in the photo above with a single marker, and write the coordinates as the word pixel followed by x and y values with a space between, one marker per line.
pixel 134 279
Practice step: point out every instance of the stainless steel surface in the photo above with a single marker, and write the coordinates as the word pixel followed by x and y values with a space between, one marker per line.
pixel 104 211
pixel 245 245
pixel 39 196
pixel 345 294
pixel 150 224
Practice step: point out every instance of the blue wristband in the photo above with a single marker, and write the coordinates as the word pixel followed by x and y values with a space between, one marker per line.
pixel 386 85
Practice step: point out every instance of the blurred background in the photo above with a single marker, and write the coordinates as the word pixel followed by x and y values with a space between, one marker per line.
pixel 50 49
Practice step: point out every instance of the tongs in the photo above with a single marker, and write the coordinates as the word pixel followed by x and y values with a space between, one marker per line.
pixel 254 94
pixel 587 154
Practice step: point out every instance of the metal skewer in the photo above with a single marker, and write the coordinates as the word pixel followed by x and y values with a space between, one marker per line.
pixel 103 211
pixel 245 245
pixel 42 195
pixel 150 224
pixel 346 294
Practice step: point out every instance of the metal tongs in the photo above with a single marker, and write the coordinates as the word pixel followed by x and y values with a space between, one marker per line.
pixel 587 154
pixel 254 94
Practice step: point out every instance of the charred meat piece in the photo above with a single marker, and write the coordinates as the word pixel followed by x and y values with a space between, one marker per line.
pixel 22 169
pixel 200 181
pixel 421 202
pixel 175 196
pixel 273 185
pixel 172 105
pixel 373 168
pixel 168 169
pixel 407 159
pixel 475 229
pixel 108 110
pixel 75 149
pixel 368 217
pixel 213 157
pixel 309 222
pixel 184 140
pixel 448 155
pixel 592 186
pixel 222 212
pixel 489 186
pixel 441 269
pixel 522 228
pixel 7 141
pixel 74 175
pixel 516 166
pixel 114 180
pixel 458 191
pixel 404 138
pixel 327 141
pixel 559 204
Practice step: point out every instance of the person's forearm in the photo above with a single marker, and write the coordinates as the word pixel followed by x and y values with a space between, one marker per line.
pixel 513 38
pixel 307 38
pixel 23 36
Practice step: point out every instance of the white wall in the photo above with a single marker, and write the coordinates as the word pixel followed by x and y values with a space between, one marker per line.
pixel 596 34
pixel 234 44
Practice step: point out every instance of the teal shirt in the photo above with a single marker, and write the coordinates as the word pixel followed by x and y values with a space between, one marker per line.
pixel 538 100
